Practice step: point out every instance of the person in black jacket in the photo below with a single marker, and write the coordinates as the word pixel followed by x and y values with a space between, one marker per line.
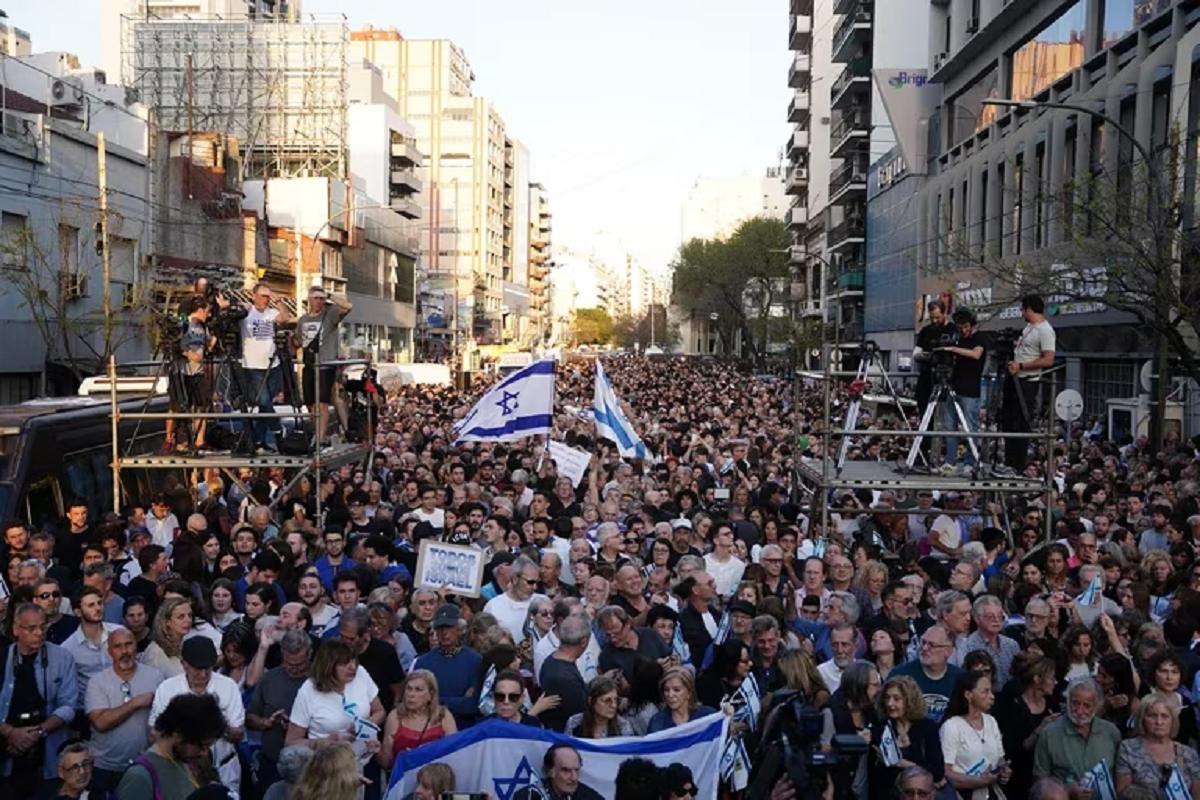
pixel 696 593
pixel 902 712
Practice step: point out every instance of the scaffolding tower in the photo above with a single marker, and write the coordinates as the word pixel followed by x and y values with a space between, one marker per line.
pixel 280 87
pixel 819 478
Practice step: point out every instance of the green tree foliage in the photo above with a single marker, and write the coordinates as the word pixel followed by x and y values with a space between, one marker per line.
pixel 592 326
pixel 736 278
pixel 629 331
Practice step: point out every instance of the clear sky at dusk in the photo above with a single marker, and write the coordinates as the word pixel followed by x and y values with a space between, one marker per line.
pixel 622 105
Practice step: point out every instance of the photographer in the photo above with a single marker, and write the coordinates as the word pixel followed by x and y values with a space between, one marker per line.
pixel 1034 353
pixel 939 332
pixel 263 379
pixel 965 380
pixel 189 386
pixel 319 346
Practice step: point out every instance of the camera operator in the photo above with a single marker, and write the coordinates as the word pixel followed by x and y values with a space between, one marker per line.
pixel 189 386
pixel 1034 353
pixel 937 333
pixel 965 379
pixel 319 342
pixel 263 379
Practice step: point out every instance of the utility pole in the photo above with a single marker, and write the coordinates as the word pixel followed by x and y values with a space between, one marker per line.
pixel 102 244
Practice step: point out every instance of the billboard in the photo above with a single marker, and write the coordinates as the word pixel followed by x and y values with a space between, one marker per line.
pixel 910 100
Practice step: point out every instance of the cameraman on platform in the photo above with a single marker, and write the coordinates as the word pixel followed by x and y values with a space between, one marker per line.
pixel 319 342
pixel 262 378
pixel 189 386
pixel 965 380
pixel 938 333
pixel 1034 353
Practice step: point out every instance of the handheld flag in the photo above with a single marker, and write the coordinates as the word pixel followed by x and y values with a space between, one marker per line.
pixel 679 647
pixel 978 767
pixel 611 422
pixel 819 547
pixel 724 628
pixel 1092 594
pixel 1177 788
pixel 888 747
pixel 1099 780
pixel 521 405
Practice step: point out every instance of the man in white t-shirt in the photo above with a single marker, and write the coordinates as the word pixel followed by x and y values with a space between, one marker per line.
pixel 511 609
pixel 199 656
pixel 842 641
pixel 725 568
pixel 429 511
pixel 1033 354
pixel 261 376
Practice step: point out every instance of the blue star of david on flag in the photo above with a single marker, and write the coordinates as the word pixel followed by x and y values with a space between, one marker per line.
pixel 520 406
pixel 507 787
pixel 508 403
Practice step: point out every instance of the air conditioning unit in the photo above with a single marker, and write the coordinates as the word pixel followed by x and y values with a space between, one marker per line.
pixel 129 296
pixel 973 25
pixel 74 286
pixel 66 92
pixel 801 173
pixel 939 60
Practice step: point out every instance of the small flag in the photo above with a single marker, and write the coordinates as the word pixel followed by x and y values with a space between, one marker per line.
pixel 486 704
pixel 747 702
pixel 819 547
pixel 1092 594
pixel 611 422
pixel 1099 780
pixel 723 628
pixel 679 647
pixel 888 747
pixel 978 767
pixel 1177 788
pixel 519 406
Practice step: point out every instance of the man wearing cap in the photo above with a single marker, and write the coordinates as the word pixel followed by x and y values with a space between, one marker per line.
pixel 199 656
pixel 318 331
pixel 681 532
pixel 458 669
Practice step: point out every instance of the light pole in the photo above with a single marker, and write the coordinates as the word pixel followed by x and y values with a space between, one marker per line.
pixel 1159 224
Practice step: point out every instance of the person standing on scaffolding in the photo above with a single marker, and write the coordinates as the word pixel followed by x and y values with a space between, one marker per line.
pixel 263 379
pixel 188 385
pixel 319 347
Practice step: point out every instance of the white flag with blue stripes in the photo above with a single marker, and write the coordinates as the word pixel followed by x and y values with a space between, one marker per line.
pixel 611 422
pixel 1092 594
pixel 888 747
pixel 1099 780
pixel 1177 788
pixel 521 405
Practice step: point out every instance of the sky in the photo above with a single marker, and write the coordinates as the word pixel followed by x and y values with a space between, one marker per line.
pixel 622 105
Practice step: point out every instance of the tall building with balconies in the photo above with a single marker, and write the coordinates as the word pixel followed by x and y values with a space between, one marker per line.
pixel 540 226
pixel 14 42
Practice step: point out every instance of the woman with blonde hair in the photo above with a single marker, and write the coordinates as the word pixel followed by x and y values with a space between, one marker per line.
pixel 1147 759
pixel 331 774
pixel 800 673
pixel 172 624
pixel 680 705
pixel 871 578
pixel 433 781
pixel 419 719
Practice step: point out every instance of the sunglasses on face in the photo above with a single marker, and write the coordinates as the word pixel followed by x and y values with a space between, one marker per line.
pixel 685 791
pixel 48 595
pixel 501 697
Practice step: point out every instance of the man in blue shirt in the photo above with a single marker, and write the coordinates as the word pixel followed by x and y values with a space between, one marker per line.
pixel 457 668
pixel 377 555
pixel 334 560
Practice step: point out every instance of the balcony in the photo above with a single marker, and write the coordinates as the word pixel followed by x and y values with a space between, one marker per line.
pixel 852 35
pixel 800 34
pixel 405 208
pixel 407 154
pixel 798 254
pixel 802 8
pixel 843 7
pixel 405 183
pixel 852 128
pixel 799 143
pixel 799 106
pixel 854 80
pixel 800 72
pixel 797 181
pixel 851 232
pixel 796 218
pixel 851 279
pixel 850 175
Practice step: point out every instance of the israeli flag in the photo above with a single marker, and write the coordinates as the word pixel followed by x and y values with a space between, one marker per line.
pixel 503 758
pixel 723 628
pixel 819 548
pixel 1177 788
pixel 735 764
pixel 679 647
pixel 747 702
pixel 521 405
pixel 888 747
pixel 1092 594
pixel 1099 780
pixel 611 422
pixel 978 767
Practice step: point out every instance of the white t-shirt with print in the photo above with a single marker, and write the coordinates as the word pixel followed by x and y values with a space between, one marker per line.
pixel 327 714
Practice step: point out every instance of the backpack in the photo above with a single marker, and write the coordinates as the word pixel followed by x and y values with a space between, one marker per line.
pixel 145 764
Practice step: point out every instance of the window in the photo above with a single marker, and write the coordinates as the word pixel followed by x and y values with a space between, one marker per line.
pixel 68 249
pixel 1052 53
pixel 1106 379
pixel 14 243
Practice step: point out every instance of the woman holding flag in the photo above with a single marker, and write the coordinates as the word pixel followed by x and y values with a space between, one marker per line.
pixel 1153 759
pixel 972 748
pixel 905 737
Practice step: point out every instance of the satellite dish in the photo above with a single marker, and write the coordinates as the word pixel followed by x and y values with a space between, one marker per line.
pixel 1147 376
pixel 1068 405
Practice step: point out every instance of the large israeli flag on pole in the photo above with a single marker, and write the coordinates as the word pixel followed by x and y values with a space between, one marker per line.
pixel 611 422
pixel 521 405
pixel 503 758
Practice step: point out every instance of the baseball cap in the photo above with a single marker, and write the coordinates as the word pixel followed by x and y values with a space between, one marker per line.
pixel 676 524
pixel 199 652
pixel 742 607
pixel 447 616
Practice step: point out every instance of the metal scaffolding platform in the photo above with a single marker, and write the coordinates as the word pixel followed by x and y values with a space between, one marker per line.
pixel 881 475
pixel 330 458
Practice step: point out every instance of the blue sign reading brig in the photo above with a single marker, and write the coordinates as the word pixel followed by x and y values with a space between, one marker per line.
pixel 905 78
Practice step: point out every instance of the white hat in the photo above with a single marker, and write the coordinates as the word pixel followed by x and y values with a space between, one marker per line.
pixel 676 524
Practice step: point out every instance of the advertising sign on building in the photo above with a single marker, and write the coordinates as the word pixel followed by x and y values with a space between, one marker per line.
pixel 910 100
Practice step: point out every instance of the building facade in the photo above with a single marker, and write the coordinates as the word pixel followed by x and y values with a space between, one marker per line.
pixel 716 206
pixel 13 40
pixel 993 170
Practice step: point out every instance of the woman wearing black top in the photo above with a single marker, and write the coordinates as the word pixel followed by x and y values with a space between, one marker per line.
pixel 852 709
pixel 901 708
pixel 1114 673
pixel 1165 673
pixel 1023 715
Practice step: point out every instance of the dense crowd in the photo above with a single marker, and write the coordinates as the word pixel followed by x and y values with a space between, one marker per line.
pixel 227 636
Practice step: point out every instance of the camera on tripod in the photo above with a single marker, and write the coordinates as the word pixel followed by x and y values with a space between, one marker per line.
pixel 943 362
pixel 791 744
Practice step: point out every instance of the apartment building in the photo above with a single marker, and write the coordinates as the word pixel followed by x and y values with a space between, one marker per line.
pixel 994 169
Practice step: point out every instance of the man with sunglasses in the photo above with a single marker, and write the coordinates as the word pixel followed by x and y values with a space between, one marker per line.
pixel 60 626
pixel 117 703
pixel 512 607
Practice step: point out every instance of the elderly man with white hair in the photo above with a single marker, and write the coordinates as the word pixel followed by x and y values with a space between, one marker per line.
pixel 1079 739
pixel 989 619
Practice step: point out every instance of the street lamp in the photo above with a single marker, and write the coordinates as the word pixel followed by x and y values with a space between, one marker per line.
pixel 1158 419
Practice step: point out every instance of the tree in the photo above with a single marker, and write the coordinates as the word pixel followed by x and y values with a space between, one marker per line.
pixel 76 333
pixel 592 326
pixel 630 331
pixel 738 279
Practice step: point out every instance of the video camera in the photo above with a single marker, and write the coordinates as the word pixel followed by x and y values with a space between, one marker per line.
pixel 791 745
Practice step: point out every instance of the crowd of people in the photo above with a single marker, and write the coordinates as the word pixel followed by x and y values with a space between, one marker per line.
pixel 227 637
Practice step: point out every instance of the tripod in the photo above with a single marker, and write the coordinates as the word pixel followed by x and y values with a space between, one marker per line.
pixel 869 358
pixel 942 394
